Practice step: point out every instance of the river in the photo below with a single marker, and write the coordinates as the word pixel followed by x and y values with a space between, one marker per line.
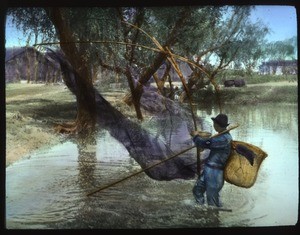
pixel 48 189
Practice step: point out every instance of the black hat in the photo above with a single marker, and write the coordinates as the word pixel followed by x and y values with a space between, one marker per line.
pixel 221 120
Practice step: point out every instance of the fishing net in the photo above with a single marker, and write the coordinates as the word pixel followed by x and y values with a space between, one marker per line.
pixel 243 164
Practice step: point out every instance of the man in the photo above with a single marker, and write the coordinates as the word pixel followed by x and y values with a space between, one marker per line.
pixel 211 179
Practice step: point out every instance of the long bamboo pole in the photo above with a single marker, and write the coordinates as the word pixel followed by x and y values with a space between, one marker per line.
pixel 138 172
pixel 176 67
pixel 186 89
pixel 156 164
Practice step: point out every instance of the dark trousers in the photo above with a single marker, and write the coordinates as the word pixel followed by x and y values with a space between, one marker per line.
pixel 210 181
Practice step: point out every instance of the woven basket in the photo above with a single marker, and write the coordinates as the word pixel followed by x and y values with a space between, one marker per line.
pixel 238 170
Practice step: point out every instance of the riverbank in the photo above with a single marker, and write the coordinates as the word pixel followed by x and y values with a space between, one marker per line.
pixel 271 92
pixel 32 111
pixel 277 92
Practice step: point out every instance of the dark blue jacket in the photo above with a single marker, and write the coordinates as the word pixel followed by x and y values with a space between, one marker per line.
pixel 220 147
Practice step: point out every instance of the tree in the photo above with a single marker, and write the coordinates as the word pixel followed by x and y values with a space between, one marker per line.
pixel 143 147
pixel 231 39
pixel 114 41
pixel 78 55
pixel 281 50
pixel 158 19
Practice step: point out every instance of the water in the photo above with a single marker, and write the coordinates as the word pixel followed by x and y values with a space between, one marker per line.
pixel 48 189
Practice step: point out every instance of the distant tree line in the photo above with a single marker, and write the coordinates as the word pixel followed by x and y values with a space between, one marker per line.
pixel 115 39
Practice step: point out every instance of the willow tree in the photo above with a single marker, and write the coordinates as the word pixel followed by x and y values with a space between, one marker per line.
pixel 166 24
pixel 58 24
pixel 106 37
pixel 231 39
pixel 281 50
pixel 112 38
pixel 84 25
pixel 92 107
pixel 219 36
pixel 247 50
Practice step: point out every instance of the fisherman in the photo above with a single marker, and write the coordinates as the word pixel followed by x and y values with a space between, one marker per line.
pixel 211 179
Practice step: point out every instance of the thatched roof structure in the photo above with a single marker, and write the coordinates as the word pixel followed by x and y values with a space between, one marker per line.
pixel 27 63
pixel 279 67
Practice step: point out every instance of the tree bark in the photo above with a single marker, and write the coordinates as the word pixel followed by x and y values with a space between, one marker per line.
pixel 86 114
pixel 135 99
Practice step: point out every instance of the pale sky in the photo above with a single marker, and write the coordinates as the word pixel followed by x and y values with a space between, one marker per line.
pixel 282 21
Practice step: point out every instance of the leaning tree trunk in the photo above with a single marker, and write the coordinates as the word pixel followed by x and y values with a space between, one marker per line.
pixel 144 147
pixel 86 115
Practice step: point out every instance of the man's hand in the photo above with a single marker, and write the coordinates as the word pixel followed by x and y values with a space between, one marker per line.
pixel 193 133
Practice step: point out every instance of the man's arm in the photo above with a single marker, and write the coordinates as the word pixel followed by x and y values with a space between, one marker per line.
pixel 200 141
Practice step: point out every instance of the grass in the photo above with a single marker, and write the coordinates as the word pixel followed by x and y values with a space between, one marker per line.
pixel 257 79
pixel 281 92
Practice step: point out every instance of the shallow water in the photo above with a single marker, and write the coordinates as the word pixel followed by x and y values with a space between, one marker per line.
pixel 48 188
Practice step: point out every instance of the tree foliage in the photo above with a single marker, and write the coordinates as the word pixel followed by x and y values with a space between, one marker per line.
pixel 104 38
pixel 210 31
pixel 282 50
pixel 32 20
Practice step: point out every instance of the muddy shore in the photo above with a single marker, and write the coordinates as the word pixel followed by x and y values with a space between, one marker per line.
pixel 33 110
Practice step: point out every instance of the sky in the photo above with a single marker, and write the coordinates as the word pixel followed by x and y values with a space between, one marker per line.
pixel 282 21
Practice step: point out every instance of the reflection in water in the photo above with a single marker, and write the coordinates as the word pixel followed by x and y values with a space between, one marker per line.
pixel 86 168
pixel 55 182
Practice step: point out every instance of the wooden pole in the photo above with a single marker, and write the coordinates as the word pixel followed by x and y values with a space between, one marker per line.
pixel 156 164
pixel 186 89
pixel 176 67
pixel 138 172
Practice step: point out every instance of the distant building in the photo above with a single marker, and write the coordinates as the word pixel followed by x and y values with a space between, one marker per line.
pixel 279 67
pixel 27 63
